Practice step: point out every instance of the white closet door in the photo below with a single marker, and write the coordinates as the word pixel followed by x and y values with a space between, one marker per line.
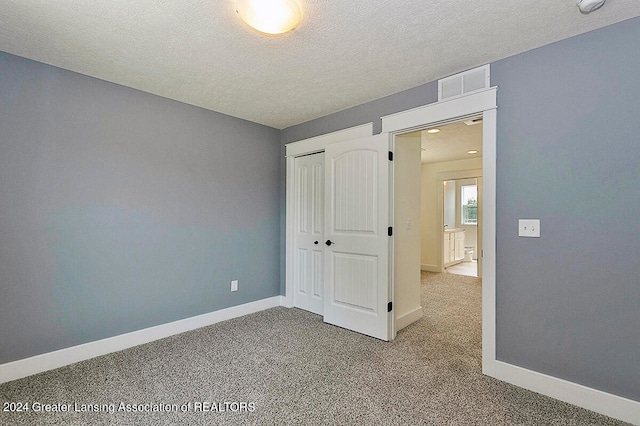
pixel 309 221
pixel 356 240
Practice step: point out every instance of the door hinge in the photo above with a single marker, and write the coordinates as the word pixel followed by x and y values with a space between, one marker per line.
pixel 389 306
pixel 390 231
pixel 390 156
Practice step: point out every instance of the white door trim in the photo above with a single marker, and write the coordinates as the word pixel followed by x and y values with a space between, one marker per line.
pixel 404 121
pixel 319 143
pixel 459 174
pixel 296 149
pixel 480 103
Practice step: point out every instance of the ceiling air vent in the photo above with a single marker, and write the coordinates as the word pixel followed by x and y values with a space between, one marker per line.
pixel 464 83
pixel 473 121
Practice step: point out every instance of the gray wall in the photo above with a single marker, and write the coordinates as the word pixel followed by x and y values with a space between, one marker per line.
pixel 568 153
pixel 365 113
pixel 121 210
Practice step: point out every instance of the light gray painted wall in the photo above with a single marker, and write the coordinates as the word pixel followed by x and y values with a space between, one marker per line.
pixel 121 210
pixel 365 113
pixel 568 153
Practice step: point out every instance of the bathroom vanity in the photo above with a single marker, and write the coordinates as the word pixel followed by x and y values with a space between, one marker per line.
pixel 453 246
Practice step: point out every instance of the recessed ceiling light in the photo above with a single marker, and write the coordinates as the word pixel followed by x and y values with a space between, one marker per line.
pixel 472 151
pixel 433 130
pixel 270 16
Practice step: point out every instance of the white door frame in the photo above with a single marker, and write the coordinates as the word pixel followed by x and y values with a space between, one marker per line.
pixel 479 103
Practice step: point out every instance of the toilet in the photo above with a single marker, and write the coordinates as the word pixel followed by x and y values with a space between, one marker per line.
pixel 468 254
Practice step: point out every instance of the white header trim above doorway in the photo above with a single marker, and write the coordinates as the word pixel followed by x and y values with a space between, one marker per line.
pixel 459 174
pixel 440 111
pixel 318 143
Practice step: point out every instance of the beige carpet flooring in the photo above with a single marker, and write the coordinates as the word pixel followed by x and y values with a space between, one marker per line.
pixel 285 366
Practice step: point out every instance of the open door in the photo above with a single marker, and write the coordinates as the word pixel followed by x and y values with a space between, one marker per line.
pixel 356 235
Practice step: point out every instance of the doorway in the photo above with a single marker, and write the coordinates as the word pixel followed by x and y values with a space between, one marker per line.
pixel 451 208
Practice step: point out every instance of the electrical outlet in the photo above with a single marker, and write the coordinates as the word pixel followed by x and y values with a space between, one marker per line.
pixel 234 285
pixel 529 228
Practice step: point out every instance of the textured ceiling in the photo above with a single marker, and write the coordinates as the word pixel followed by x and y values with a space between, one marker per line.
pixel 343 54
pixel 451 143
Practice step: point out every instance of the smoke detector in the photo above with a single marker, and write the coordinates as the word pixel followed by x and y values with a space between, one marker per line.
pixel 587 6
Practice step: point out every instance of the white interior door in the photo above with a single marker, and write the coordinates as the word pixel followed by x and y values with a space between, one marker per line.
pixel 309 221
pixel 356 239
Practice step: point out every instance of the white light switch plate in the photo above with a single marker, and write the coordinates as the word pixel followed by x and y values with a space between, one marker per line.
pixel 234 285
pixel 529 228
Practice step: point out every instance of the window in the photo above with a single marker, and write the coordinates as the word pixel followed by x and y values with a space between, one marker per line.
pixel 469 197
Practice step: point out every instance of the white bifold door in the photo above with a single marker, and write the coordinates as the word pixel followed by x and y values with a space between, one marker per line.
pixel 309 223
pixel 341 260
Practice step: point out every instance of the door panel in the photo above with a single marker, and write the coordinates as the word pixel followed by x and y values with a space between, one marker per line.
pixel 317 270
pixel 357 247
pixel 355 192
pixel 353 275
pixel 309 220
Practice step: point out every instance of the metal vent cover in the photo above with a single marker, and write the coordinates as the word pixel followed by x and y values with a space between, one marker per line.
pixel 464 83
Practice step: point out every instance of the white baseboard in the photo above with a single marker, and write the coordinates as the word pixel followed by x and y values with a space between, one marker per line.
pixel 429 268
pixel 601 402
pixel 410 317
pixel 51 360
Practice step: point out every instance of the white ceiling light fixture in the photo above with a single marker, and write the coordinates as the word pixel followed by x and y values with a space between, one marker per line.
pixel 588 6
pixel 472 151
pixel 272 17
pixel 433 131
